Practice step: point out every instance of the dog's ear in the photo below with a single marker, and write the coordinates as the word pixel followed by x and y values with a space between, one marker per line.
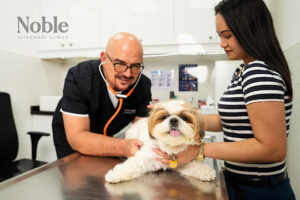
pixel 200 126
pixel 202 133
pixel 155 117
pixel 150 121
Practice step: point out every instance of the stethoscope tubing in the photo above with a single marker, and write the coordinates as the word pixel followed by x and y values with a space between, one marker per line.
pixel 120 96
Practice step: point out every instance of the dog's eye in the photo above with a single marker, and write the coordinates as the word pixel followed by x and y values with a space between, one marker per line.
pixel 184 118
pixel 164 117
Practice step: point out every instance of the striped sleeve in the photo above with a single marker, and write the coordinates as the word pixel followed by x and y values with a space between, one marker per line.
pixel 259 83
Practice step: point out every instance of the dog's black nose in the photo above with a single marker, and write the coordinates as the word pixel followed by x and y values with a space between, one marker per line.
pixel 174 121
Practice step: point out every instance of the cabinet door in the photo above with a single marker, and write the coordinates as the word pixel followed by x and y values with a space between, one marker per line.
pixel 150 20
pixel 115 16
pixel 83 24
pixel 153 21
pixel 194 21
pixel 49 10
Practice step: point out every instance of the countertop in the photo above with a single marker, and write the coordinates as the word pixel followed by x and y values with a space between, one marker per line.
pixel 82 177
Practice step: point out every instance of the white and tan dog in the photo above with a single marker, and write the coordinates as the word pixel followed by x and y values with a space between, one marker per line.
pixel 171 126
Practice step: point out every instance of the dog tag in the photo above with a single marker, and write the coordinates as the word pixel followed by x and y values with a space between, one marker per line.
pixel 173 163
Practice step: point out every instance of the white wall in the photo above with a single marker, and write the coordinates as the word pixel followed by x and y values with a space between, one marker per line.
pixel 26 79
pixel 293 161
pixel 224 71
pixel 286 21
pixel 8 22
pixel 22 73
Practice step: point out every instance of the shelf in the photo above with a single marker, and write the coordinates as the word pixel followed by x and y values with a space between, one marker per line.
pixel 35 110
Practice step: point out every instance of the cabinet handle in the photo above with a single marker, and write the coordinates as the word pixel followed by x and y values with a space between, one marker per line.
pixel 62 45
pixel 210 37
pixel 70 44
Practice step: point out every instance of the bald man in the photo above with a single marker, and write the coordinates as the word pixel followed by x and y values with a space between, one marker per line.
pixel 93 92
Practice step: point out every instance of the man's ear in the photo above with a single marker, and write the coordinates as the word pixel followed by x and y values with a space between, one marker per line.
pixel 103 57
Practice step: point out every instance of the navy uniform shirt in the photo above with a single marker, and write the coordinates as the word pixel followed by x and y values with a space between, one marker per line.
pixel 85 94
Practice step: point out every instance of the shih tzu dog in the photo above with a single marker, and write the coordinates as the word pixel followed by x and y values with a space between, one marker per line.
pixel 171 127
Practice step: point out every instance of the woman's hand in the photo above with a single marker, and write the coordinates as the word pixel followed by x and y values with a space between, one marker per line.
pixel 188 155
pixel 182 158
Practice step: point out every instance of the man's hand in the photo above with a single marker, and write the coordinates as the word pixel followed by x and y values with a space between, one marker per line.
pixel 131 146
pixel 151 106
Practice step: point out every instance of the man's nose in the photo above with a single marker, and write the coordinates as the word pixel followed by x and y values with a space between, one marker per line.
pixel 128 73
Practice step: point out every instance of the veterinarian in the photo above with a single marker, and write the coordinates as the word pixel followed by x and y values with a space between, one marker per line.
pixel 255 109
pixel 100 98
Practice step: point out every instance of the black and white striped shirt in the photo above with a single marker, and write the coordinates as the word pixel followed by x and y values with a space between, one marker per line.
pixel 257 82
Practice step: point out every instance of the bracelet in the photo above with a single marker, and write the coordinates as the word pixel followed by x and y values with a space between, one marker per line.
pixel 200 155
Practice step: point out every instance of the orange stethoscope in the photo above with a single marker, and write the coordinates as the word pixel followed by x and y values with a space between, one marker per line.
pixel 120 96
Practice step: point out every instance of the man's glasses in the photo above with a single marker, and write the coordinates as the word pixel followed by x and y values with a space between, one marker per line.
pixel 121 66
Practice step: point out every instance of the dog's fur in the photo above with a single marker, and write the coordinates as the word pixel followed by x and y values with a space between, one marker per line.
pixel 171 126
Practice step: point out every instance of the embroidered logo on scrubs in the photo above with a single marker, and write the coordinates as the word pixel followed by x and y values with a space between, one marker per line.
pixel 129 111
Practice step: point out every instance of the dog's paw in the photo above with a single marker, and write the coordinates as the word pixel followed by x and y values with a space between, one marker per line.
pixel 206 173
pixel 112 177
pixel 120 174
pixel 198 170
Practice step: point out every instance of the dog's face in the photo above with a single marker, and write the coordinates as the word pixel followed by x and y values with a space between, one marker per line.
pixel 176 123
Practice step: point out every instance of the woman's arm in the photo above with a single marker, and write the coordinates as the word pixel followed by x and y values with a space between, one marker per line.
pixel 270 140
pixel 213 123
pixel 268 145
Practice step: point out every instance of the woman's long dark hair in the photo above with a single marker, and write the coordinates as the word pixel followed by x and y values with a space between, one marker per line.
pixel 251 23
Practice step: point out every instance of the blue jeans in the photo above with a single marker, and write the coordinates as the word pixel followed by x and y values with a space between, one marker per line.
pixel 280 191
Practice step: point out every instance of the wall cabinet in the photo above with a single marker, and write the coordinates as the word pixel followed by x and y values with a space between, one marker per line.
pixel 160 25
pixel 83 22
pixel 150 20
pixel 154 22
pixel 115 16
pixel 194 21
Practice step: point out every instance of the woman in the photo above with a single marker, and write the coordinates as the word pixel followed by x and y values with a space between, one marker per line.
pixel 254 111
